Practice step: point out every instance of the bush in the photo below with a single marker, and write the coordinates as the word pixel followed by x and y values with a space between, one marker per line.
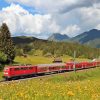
pixel 3 57
pixel 19 52
pixel 32 52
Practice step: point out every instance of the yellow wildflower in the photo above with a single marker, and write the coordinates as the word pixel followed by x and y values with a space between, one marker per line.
pixel 49 94
pixel 70 93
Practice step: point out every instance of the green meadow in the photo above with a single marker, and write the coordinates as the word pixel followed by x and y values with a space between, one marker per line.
pixel 42 60
pixel 79 85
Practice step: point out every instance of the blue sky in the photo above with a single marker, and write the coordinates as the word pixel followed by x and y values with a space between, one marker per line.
pixel 3 4
pixel 41 18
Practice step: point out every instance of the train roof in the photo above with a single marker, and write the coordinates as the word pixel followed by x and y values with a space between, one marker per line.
pixel 53 64
pixel 39 65
pixel 17 66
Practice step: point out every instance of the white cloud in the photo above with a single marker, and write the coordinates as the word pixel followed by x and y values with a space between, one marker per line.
pixel 70 17
pixel 80 20
pixel 89 17
pixel 98 27
pixel 71 30
pixel 21 21
pixel 56 5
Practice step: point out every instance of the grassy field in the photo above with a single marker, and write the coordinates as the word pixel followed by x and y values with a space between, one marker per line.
pixel 82 85
pixel 41 59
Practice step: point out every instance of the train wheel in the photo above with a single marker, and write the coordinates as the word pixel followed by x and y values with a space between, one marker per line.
pixel 8 79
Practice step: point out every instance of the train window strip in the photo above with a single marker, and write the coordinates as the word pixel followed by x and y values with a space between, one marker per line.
pixel 23 68
pixel 43 68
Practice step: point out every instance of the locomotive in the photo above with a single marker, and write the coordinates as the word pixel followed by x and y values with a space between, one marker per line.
pixel 18 71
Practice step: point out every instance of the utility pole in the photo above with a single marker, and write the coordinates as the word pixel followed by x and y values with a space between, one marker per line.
pixel 74 67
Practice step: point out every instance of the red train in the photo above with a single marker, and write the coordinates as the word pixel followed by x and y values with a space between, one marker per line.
pixel 11 72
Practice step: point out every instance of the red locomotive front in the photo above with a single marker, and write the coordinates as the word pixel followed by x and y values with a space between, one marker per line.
pixel 6 72
pixel 19 71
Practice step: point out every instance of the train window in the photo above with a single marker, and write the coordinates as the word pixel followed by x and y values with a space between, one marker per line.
pixel 30 67
pixel 6 68
pixel 52 68
pixel 24 68
pixel 43 68
pixel 16 69
pixel 63 66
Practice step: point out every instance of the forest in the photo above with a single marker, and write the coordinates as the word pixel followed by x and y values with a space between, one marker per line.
pixel 51 48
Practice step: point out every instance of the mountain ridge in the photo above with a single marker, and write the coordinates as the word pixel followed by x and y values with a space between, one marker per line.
pixel 58 37
pixel 25 39
pixel 91 38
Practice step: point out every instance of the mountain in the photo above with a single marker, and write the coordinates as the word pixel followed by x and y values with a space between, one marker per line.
pixel 25 39
pixel 58 37
pixel 91 38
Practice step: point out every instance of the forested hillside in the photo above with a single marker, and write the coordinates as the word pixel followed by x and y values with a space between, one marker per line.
pixel 56 48
pixel 25 39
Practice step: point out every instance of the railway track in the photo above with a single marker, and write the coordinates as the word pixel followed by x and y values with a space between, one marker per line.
pixel 43 76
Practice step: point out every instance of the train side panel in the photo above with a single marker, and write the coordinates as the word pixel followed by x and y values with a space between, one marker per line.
pixel 20 70
pixel 14 71
pixel 69 66
pixel 44 68
pixel 24 70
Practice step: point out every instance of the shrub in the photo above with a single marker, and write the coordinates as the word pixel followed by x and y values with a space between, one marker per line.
pixel 3 57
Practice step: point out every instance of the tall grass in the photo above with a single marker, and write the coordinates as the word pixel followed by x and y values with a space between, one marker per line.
pixel 69 86
pixel 79 85
pixel 90 74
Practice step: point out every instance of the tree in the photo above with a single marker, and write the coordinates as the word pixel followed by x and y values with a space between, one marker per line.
pixel 6 43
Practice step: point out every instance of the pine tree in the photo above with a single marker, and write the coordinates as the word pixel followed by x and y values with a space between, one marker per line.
pixel 6 43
